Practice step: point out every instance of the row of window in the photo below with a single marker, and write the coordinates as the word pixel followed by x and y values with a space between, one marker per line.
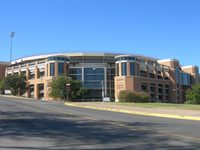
pixel 161 89
pixel 182 78
pixel 60 69
pixel 125 58
pixel 57 59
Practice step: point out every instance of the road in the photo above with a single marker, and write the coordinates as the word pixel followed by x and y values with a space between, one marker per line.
pixel 35 125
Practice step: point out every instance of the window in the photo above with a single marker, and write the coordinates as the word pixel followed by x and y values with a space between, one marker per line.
pixel 52 69
pixel 32 74
pixel 159 74
pixel 60 68
pixel 185 78
pixel 152 75
pixel 124 68
pixel 177 76
pixel 117 69
pixel 57 59
pixel 144 87
pixel 125 58
pixel 75 70
pixel 152 91
pixel 132 68
pixel 31 88
pixel 41 74
pixel 93 78
pixel 76 73
pixel 143 73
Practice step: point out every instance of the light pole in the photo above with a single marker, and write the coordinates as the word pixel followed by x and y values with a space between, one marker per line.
pixel 12 34
pixel 68 88
pixel 102 85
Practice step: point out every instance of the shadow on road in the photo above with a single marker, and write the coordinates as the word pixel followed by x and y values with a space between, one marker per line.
pixel 72 132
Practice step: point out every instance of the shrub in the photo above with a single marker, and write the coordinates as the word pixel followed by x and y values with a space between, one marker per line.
pixel 193 95
pixel 131 96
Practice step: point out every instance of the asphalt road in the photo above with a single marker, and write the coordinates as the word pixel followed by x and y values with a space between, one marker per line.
pixel 35 125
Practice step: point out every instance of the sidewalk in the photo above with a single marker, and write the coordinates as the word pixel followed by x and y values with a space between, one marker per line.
pixel 156 112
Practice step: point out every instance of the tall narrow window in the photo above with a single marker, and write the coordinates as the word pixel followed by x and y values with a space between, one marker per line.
pixel 117 69
pixel 124 68
pixel 52 69
pixel 60 68
pixel 132 68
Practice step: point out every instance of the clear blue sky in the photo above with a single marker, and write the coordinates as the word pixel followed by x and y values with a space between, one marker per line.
pixel 156 28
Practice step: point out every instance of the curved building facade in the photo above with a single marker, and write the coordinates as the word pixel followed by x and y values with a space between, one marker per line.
pixel 163 80
pixel 106 74
pixel 96 71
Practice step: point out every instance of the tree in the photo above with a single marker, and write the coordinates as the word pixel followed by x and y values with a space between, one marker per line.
pixel 59 89
pixel 15 83
pixel 2 86
pixel 193 95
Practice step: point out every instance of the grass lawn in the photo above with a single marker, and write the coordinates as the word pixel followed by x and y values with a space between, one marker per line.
pixel 160 105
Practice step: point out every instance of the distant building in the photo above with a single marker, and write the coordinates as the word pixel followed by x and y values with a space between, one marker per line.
pixel 3 66
pixel 106 74
pixel 164 80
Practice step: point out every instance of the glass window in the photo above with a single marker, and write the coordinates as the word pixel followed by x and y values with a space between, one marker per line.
pixel 125 58
pixel 52 69
pixel 76 77
pixel 132 68
pixel 57 58
pixel 177 75
pixel 124 68
pixel 185 79
pixel 117 69
pixel 75 70
pixel 93 78
pixel 60 68
pixel 144 87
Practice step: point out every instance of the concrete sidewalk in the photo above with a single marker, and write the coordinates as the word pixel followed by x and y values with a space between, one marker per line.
pixel 184 114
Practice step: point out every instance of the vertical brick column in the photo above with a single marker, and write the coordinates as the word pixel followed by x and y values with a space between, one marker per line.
pixel 128 68
pixel 36 91
pixel 65 68
pixel 120 69
pixel 56 69
pixel 36 73
pixel 46 74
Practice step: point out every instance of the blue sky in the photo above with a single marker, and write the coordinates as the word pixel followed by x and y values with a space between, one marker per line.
pixel 156 28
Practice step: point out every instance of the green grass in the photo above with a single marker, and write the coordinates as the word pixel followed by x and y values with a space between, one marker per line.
pixel 160 105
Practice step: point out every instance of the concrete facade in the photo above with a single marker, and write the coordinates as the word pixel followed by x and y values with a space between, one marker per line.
pixel 163 80
pixel 96 72
pixel 39 72
pixel 106 74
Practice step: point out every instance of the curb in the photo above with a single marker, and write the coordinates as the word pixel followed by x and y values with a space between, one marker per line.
pixel 139 113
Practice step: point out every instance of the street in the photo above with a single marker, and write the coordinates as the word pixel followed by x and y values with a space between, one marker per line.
pixel 36 124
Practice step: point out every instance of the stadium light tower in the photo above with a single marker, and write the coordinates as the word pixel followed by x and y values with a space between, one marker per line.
pixel 12 34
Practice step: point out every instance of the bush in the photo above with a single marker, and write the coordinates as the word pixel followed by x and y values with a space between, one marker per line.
pixel 193 95
pixel 131 96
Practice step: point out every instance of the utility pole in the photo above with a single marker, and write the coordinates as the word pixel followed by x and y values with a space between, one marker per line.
pixel 12 34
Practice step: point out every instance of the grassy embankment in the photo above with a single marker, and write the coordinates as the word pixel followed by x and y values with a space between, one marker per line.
pixel 160 105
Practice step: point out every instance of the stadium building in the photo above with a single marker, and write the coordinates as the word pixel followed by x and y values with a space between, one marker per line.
pixel 106 74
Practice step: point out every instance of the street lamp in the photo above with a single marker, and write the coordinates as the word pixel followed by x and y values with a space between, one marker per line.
pixel 102 89
pixel 68 88
pixel 12 34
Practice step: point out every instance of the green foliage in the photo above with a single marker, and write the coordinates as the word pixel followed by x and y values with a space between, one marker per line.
pixel 15 83
pixel 193 95
pixel 58 88
pixel 2 85
pixel 131 96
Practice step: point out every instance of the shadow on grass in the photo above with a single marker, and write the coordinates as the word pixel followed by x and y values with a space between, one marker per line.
pixel 71 132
